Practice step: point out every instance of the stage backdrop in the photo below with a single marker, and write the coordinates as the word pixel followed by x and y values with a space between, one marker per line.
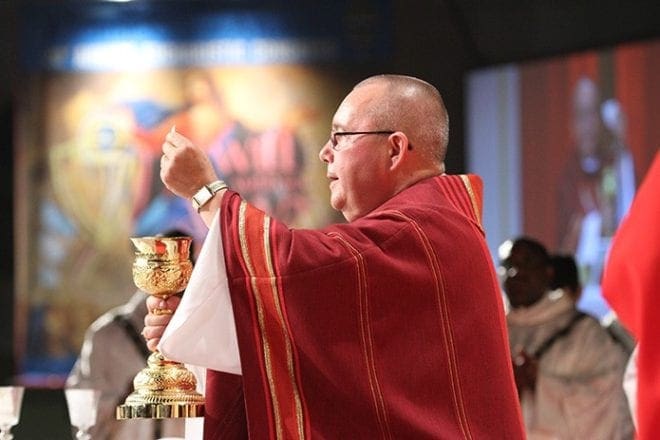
pixel 562 144
pixel 254 88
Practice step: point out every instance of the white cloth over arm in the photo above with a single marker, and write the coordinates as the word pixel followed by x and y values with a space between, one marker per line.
pixel 202 330
pixel 630 384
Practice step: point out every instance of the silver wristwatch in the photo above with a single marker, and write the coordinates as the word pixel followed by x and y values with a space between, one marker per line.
pixel 206 193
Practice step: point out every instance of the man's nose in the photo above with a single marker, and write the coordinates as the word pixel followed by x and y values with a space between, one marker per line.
pixel 325 155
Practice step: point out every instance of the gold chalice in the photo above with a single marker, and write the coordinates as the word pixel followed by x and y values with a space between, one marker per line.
pixel 165 388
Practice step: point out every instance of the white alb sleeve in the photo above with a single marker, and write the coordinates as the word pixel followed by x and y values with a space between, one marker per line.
pixel 202 330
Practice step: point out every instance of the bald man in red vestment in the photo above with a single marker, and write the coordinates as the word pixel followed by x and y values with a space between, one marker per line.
pixel 388 326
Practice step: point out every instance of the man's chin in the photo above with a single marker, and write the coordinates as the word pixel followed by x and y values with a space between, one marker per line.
pixel 336 204
pixel 339 204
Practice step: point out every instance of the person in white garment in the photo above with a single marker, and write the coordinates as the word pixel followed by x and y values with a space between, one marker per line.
pixel 568 368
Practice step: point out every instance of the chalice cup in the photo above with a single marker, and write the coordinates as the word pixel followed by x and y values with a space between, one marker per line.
pixel 164 388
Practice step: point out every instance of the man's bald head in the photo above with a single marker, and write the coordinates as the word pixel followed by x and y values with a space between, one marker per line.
pixel 415 107
pixel 389 133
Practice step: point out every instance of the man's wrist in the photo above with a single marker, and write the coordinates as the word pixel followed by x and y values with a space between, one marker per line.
pixel 206 193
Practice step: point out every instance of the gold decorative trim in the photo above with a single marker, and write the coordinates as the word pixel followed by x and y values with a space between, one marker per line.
pixel 260 317
pixel 473 198
pixel 285 330
pixel 159 411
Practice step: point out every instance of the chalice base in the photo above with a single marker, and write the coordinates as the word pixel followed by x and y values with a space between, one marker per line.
pixel 164 389
pixel 159 410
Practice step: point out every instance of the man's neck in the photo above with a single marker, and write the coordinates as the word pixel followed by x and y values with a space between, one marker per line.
pixel 417 176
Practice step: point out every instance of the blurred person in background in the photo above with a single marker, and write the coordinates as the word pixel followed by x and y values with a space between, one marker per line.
pixel 565 275
pixel 567 367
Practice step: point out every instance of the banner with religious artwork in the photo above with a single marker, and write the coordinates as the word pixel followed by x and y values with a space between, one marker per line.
pixel 256 89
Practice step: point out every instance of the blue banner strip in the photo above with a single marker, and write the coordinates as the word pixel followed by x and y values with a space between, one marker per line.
pixel 108 36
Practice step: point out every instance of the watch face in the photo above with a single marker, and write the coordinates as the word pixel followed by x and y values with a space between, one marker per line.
pixel 206 192
pixel 201 197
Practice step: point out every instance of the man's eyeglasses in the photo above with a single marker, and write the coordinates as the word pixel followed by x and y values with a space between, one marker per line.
pixel 335 134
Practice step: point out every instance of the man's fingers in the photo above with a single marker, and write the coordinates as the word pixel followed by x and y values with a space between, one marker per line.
pixel 156 303
pixel 168 147
pixel 153 331
pixel 151 335
pixel 157 320
pixel 152 344
pixel 173 302
pixel 172 141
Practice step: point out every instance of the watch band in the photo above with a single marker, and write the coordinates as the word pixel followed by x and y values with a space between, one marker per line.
pixel 206 193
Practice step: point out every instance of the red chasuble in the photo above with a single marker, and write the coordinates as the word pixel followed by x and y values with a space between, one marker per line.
pixel 631 284
pixel 391 326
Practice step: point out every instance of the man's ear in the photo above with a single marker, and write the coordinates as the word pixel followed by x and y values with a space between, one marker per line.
pixel 399 148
